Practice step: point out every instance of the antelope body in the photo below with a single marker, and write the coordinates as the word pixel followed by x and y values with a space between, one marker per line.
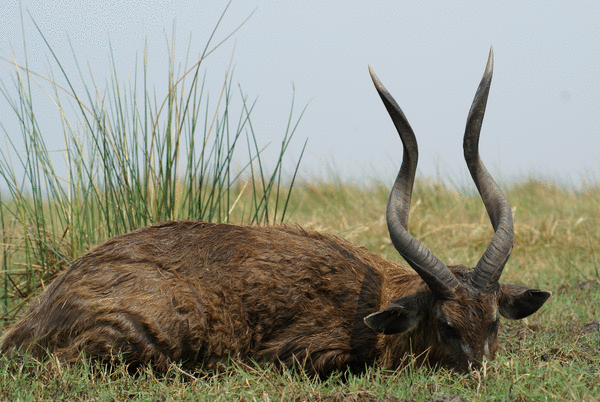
pixel 200 293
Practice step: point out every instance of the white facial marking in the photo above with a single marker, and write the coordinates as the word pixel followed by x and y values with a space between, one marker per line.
pixel 466 348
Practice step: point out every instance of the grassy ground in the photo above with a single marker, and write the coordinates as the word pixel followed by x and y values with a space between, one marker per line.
pixel 553 355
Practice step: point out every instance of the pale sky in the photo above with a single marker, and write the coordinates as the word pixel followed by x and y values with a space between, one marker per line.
pixel 543 115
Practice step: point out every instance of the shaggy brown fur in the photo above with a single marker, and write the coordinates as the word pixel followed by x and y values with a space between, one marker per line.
pixel 200 292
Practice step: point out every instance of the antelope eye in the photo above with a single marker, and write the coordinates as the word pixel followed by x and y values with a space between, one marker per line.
pixel 446 330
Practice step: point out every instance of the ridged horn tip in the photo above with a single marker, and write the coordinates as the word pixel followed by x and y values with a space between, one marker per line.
pixel 378 85
pixel 490 63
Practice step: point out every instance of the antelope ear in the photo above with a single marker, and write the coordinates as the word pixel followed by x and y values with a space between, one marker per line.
pixel 399 316
pixel 518 302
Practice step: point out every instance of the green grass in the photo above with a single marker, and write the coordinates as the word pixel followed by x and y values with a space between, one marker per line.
pixel 135 159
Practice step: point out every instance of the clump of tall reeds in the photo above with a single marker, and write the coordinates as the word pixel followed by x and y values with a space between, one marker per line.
pixel 130 159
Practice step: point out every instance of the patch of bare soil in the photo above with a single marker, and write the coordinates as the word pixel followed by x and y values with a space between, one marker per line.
pixel 368 397
pixel 591 285
pixel 443 398
pixel 592 327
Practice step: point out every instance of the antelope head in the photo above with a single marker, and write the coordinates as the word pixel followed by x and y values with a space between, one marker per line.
pixel 455 317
